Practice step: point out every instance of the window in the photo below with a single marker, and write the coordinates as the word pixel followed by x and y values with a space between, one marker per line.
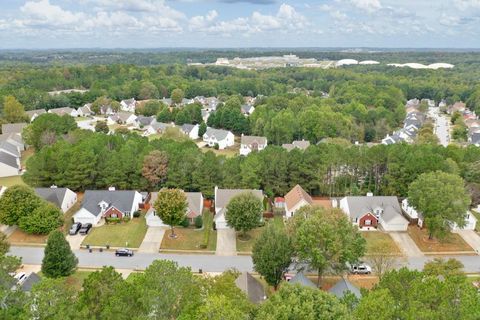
pixel 113 215
pixel 368 222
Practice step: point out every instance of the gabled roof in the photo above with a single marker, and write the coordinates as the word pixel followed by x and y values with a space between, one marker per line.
pixel 297 194
pixel 359 206
pixel 31 280
pixel 53 195
pixel 302 280
pixel 194 201
pixel 37 112
pixel 122 116
pixel 128 102
pixel 187 128
pixel 342 287
pixel 223 196
pixel 251 287
pixel 13 127
pixel 120 199
pixel 9 160
pixel 12 137
pixel 300 144
pixel 145 120
pixel 219 134
pixel 10 148
pixel 249 140
pixel 62 111
pixel 160 125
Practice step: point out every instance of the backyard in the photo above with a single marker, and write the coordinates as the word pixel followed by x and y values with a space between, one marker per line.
pixel 453 242
pixel 376 239
pixel 191 238
pixel 125 234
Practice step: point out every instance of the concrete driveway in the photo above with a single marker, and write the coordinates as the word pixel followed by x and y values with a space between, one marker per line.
pixel 75 241
pixel 152 240
pixel 226 242
pixel 472 238
pixel 406 244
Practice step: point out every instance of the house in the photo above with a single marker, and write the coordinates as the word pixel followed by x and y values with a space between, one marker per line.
pixel 9 165
pixel 143 121
pixel 223 197
pixel 247 109
pixel 128 105
pixel 85 111
pixel 222 138
pixel 122 117
pixel 111 203
pixel 415 216
pixel 474 138
pixel 63 198
pixel 457 107
pixel 35 113
pixel 297 144
pixel 13 127
pixel 10 148
pixel 29 282
pixel 279 202
pixel 371 212
pixel 14 139
pixel 205 115
pixel 194 209
pixel 342 287
pixel 252 143
pixel 296 199
pixel 303 281
pixel 252 288
pixel 63 111
pixel 191 130
pixel 156 127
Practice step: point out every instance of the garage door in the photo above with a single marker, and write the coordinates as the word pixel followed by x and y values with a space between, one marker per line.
pixel 83 220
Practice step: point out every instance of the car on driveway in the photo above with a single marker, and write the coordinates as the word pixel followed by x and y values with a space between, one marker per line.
pixel 20 277
pixel 123 252
pixel 75 228
pixel 361 268
pixel 85 229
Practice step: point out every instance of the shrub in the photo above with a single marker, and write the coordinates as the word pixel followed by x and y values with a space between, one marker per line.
pixel 136 214
pixel 216 146
pixel 112 220
pixel 198 222
pixel 42 220
pixel 185 223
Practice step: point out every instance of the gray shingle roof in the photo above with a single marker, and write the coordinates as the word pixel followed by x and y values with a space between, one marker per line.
pixel 249 140
pixel 342 287
pixel 193 200
pixel 53 195
pixel 302 280
pixel 38 112
pixel 300 144
pixel 12 136
pixel 145 120
pixel 9 160
pixel 10 148
pixel 251 287
pixel 13 127
pixel 223 196
pixel 359 206
pixel 219 134
pixel 31 280
pixel 187 128
pixel 61 111
pixel 120 199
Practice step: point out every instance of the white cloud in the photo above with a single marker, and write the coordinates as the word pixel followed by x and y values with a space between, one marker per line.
pixel 467 4
pixel 367 5
pixel 42 13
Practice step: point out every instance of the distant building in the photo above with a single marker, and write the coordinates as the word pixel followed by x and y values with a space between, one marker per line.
pixel 222 138
pixel 297 144
pixel 252 143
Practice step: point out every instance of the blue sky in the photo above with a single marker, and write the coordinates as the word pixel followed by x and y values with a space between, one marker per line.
pixel 239 23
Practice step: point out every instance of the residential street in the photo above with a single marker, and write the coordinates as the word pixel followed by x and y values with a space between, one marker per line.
pixel 209 263
pixel 442 126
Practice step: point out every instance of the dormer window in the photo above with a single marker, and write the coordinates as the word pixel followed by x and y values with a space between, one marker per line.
pixel 103 205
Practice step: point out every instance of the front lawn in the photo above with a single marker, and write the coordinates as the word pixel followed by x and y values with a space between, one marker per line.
pixel 376 239
pixel 126 234
pixel 20 238
pixel 11 181
pixel 453 242
pixel 246 246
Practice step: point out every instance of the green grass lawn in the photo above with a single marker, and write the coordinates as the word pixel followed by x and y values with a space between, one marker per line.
pixel 11 181
pixel 247 246
pixel 25 155
pixel 126 234
pixel 376 239
pixel 453 241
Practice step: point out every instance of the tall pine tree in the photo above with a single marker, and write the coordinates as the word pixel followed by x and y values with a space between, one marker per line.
pixel 59 260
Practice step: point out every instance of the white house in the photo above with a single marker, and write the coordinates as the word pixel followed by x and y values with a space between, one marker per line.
pixel 470 220
pixel 98 204
pixel 223 197
pixel 63 111
pixel 296 199
pixel 371 212
pixel 247 109
pixel 9 165
pixel 156 127
pixel 85 110
pixel 223 138
pixel 33 114
pixel 194 209
pixel 122 118
pixel 128 105
pixel 191 130
pixel 63 198
pixel 252 143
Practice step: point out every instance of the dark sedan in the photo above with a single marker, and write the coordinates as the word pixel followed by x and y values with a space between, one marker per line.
pixel 123 253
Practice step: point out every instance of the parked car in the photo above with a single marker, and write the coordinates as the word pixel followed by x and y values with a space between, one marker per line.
pixel 123 252
pixel 85 229
pixel 361 268
pixel 75 228
pixel 20 277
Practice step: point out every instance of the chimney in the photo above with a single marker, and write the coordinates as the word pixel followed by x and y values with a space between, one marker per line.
pixel 111 188
pixel 369 194
pixel 53 186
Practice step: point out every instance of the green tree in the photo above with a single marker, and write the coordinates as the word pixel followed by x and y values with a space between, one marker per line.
pixel 148 91
pixel 44 219
pixel 101 126
pixel 297 302
pixel 151 108
pixel 155 167
pixel 171 207
pixel 442 199
pixel 16 203
pixel 441 267
pixel 47 129
pixel 272 254
pixel 13 110
pixel 325 239
pixel 177 96
pixel 99 104
pixel 377 304
pixel 220 308
pixel 59 260
pixel 202 129
pixel 4 244
pixel 244 212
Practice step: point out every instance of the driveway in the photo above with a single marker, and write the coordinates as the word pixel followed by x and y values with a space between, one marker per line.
pixel 406 244
pixel 472 238
pixel 152 240
pixel 75 241
pixel 226 242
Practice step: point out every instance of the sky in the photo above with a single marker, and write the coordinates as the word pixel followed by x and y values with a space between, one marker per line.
pixel 49 24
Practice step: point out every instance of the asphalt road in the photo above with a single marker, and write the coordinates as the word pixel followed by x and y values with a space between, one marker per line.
pixel 208 263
